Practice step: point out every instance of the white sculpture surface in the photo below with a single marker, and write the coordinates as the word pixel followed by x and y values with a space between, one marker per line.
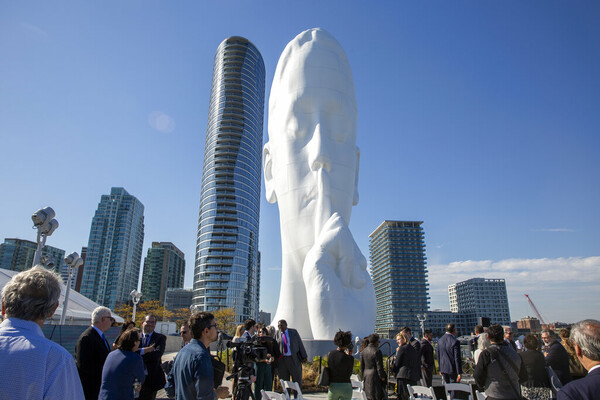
pixel 311 171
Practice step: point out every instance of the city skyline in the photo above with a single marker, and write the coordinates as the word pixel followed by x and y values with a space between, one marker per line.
pixel 478 119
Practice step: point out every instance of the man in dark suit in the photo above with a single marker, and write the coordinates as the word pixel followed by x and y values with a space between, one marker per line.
pixel 91 351
pixel 586 338
pixel 292 351
pixel 448 354
pixel 155 380
pixel 556 356
pixel 427 360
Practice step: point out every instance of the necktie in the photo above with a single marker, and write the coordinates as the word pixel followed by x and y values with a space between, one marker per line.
pixel 105 342
pixel 285 345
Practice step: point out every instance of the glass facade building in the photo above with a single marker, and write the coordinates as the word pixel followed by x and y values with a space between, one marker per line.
pixel 164 267
pixel 227 269
pixel 114 251
pixel 399 272
pixel 18 255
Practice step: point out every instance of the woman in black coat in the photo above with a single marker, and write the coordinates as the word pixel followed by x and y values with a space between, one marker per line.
pixel 371 369
pixel 340 364
pixel 537 386
pixel 407 365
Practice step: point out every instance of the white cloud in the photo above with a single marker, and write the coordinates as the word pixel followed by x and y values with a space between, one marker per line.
pixel 563 289
pixel 161 122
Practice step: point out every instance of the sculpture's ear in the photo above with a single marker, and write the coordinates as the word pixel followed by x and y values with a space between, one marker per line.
pixel 355 196
pixel 268 168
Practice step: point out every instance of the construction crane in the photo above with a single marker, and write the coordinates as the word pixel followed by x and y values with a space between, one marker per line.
pixel 537 313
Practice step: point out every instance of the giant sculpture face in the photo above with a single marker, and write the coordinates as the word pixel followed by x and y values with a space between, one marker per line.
pixel 311 171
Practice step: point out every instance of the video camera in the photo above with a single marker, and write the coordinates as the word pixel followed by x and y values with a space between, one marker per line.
pixel 252 351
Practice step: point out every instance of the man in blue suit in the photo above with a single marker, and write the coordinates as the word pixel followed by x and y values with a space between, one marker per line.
pixel 448 354
pixel 586 338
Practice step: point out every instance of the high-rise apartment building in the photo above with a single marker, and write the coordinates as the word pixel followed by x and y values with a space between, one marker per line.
pixel 399 275
pixel 480 297
pixel 226 272
pixel 18 255
pixel 164 267
pixel 178 298
pixel 114 251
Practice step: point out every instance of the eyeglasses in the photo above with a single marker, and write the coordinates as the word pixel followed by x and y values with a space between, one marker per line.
pixel 183 332
pixel 216 326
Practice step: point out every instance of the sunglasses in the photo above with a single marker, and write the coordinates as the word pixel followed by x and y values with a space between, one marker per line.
pixel 183 332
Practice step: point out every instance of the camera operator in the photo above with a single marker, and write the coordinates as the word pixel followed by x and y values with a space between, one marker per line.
pixel 192 376
pixel 250 327
pixel 247 354
pixel 264 371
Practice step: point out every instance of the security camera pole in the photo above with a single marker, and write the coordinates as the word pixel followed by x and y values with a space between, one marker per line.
pixel 73 261
pixel 422 318
pixel 135 297
pixel 44 222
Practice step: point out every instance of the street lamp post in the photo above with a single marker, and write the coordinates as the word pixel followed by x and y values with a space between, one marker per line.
pixel 422 318
pixel 135 297
pixel 44 222
pixel 73 262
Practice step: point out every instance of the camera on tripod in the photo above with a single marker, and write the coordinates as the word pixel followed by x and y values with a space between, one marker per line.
pixel 250 352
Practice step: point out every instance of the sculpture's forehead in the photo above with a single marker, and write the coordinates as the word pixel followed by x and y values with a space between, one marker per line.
pixel 314 59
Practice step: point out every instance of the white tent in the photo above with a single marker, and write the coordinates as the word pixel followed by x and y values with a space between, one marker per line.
pixel 79 309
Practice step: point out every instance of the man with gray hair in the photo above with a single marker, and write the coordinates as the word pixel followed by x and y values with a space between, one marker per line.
pixel 32 366
pixel 91 351
pixel 585 336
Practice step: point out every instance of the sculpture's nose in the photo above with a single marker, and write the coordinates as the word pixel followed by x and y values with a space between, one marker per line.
pixel 318 151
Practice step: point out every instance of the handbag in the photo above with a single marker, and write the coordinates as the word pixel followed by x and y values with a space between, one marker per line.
pixel 324 377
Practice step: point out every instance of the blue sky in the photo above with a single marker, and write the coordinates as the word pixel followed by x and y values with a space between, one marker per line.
pixel 479 118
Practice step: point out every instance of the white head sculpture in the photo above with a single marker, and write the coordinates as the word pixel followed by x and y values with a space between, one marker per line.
pixel 311 171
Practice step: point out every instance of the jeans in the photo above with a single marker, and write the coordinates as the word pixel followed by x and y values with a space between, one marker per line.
pixel 339 391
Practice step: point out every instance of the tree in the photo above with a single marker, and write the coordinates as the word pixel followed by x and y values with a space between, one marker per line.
pixel 180 315
pixel 225 317
pixel 144 308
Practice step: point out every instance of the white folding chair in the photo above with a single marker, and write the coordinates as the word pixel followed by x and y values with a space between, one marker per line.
pixel 271 395
pixel 286 385
pixel 417 392
pixel 356 384
pixel 450 388
pixel 359 394
pixel 480 396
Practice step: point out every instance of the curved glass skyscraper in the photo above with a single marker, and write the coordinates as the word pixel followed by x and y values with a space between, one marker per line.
pixel 227 269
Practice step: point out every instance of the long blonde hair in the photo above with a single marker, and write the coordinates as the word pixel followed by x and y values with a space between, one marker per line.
pixel 239 331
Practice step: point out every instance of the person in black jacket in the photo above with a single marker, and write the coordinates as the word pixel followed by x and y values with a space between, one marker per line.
pixel 91 351
pixel 537 385
pixel 371 369
pixel 155 379
pixel 341 364
pixel 427 359
pixel 556 356
pixel 407 365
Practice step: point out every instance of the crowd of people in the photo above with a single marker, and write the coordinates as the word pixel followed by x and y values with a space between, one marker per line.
pixel 37 368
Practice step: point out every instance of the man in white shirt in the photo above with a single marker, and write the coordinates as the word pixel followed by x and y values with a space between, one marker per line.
pixel 32 366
